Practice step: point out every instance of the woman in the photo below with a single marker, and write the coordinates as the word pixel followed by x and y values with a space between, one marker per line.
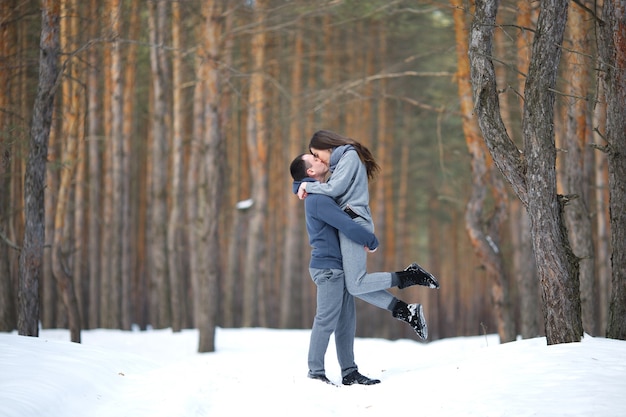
pixel 352 165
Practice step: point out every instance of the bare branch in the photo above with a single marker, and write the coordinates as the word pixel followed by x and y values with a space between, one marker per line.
pixel 9 242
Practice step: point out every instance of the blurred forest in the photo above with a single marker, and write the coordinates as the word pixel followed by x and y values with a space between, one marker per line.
pixel 173 128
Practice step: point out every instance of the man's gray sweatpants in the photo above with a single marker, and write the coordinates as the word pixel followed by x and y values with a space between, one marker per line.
pixel 335 313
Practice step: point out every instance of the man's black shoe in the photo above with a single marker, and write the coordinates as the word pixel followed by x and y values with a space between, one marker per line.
pixel 356 378
pixel 321 378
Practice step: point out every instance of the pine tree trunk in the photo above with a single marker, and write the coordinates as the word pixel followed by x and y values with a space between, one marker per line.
pixel 174 248
pixel 61 239
pixel 484 233
pixel 31 257
pixel 613 53
pixel 93 144
pixel 193 184
pixel 106 195
pixel 534 177
pixel 8 48
pixel 524 257
pixel 576 144
pixel 292 280
pixel 603 239
pixel 79 264
pixel 129 197
pixel 255 268
pixel 212 174
pixel 384 185
pixel 158 222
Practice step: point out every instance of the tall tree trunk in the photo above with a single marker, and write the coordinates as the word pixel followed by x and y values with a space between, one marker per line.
pixel 533 176
pixel 255 269
pixel 386 200
pixel 575 180
pixel 51 316
pixel 612 50
pixel 401 232
pixel 484 233
pixel 291 294
pixel 524 258
pixel 558 268
pixel 158 223
pixel 8 48
pixel 31 257
pixel 61 228
pixel 211 179
pixel 603 251
pixel 93 143
pixel 116 163
pixel 192 184
pixel 78 74
pixel 106 197
pixel 61 239
pixel 129 251
pixel 174 248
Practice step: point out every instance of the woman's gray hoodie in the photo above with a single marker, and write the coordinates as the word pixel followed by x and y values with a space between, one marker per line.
pixel 348 183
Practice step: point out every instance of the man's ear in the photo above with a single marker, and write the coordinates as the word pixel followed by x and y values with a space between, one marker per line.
pixel 310 172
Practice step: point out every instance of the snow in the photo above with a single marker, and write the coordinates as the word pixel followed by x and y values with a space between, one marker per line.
pixel 262 372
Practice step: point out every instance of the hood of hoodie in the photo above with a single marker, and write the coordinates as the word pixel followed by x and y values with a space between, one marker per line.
pixel 296 184
pixel 336 155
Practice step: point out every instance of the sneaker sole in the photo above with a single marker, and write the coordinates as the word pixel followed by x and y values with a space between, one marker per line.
pixel 424 330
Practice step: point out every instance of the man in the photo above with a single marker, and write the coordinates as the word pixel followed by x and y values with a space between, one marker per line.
pixel 335 306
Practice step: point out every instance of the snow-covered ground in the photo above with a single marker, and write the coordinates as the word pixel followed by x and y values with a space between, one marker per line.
pixel 262 372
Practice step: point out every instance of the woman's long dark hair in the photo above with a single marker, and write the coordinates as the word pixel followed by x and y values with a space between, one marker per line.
pixel 325 139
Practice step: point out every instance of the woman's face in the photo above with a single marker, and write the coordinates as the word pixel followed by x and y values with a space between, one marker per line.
pixel 322 154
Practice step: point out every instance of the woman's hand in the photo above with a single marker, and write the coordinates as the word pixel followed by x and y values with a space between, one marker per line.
pixel 302 191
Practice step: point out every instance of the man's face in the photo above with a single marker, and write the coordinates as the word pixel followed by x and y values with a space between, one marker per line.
pixel 317 169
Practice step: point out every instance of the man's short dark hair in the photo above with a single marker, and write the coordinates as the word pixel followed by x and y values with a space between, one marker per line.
pixel 298 168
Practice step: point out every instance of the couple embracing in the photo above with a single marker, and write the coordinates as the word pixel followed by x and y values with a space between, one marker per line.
pixel 332 179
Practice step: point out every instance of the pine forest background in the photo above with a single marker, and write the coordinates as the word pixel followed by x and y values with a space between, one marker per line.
pixel 174 125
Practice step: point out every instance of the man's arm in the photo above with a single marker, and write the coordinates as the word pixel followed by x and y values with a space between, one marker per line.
pixel 329 211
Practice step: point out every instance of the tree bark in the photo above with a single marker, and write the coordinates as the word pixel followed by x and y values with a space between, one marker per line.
pixel 174 248
pixel 129 198
pixel 8 48
pixel 291 295
pixel 532 174
pixel 576 141
pixel 31 257
pixel 93 144
pixel 612 50
pixel 484 233
pixel 106 197
pixel 211 189
pixel 116 158
pixel 524 258
pixel 601 208
pixel 61 237
pixel 158 221
pixel 193 183
pixel 255 269
pixel 386 200
pixel 79 199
